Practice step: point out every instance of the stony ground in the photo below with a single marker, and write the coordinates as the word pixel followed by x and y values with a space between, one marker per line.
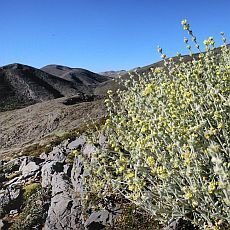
pixel 36 123
pixel 45 191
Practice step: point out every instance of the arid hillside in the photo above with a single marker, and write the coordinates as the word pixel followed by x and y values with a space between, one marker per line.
pixel 22 85
pixel 33 124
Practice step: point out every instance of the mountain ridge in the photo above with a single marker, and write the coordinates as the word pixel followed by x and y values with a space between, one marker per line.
pixel 23 85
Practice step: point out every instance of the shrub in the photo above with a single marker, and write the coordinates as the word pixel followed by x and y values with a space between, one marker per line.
pixel 168 140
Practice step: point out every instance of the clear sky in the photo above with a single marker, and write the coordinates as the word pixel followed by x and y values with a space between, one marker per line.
pixel 102 35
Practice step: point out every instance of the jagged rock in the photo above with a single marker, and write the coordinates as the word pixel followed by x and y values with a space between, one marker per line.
pixel 180 224
pixel 60 184
pixel 64 211
pixel 101 219
pixel 48 170
pixel 80 141
pixel 29 169
pixel 57 154
pixel 77 174
pixel 10 198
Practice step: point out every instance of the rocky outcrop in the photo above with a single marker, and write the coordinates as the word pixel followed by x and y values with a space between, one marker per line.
pixel 53 183
pixel 64 211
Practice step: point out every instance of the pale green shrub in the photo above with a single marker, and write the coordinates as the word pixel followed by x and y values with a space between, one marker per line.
pixel 168 140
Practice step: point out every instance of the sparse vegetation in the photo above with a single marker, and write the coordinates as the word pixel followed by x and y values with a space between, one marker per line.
pixel 31 188
pixel 168 140
pixel 53 140
pixel 34 210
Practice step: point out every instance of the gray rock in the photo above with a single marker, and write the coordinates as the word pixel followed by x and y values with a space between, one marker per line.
pixel 29 169
pixel 64 211
pixel 47 171
pixel 78 172
pixel 43 156
pixel 80 141
pixel 77 175
pixel 57 154
pixel 104 217
pixel 60 184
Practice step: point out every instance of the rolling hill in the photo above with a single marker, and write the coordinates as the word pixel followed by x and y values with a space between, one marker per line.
pixel 22 85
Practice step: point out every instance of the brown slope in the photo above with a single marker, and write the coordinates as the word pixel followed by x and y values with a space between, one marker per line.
pixel 75 75
pixel 28 125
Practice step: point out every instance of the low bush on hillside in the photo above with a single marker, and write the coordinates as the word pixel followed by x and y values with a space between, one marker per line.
pixel 168 140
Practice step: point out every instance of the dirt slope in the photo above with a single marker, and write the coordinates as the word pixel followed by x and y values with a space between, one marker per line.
pixel 25 126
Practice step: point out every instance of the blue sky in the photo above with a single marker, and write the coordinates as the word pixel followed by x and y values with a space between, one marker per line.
pixel 103 35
